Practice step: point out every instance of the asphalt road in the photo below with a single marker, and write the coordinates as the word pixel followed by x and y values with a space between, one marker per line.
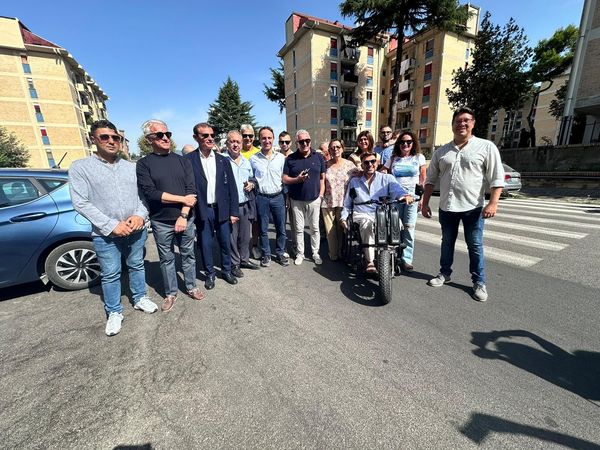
pixel 306 357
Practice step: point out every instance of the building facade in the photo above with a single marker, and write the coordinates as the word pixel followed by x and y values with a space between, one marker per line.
pixel 46 98
pixel 335 90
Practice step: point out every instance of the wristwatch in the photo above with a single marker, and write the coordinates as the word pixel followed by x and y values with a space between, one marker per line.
pixel 184 215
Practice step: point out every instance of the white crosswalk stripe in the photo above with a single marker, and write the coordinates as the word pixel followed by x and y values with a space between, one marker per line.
pixel 529 243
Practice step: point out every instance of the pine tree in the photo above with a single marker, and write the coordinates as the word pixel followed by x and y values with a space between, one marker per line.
pixel 497 77
pixel 228 112
pixel 12 152
pixel 276 92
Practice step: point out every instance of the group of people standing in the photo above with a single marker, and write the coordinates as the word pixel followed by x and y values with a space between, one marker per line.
pixel 233 196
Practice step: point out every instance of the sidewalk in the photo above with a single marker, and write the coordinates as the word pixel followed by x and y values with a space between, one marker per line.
pixel 591 196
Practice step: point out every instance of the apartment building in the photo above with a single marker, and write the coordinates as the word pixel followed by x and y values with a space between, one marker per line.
pixel 335 89
pixel 46 98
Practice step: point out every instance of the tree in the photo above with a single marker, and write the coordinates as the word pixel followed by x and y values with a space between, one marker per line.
pixel 12 152
pixel 401 18
pixel 276 92
pixel 551 57
pixel 497 77
pixel 557 105
pixel 145 148
pixel 228 112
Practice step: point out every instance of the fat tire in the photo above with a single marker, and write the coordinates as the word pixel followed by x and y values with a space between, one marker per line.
pixel 384 267
pixel 91 268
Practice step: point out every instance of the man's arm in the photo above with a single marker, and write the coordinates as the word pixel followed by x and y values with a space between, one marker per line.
pixel 495 176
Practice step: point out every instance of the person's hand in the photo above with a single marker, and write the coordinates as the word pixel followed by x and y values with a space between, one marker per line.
pixel 489 211
pixel 302 177
pixel 248 186
pixel 135 223
pixel 344 224
pixel 180 224
pixel 287 203
pixel 409 199
pixel 189 200
pixel 233 219
pixel 122 229
pixel 426 211
pixel 420 205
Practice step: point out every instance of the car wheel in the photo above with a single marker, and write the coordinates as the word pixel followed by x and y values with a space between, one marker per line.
pixel 73 266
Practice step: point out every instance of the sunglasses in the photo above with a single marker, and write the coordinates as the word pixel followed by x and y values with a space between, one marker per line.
pixel 335 147
pixel 304 142
pixel 385 132
pixel 406 142
pixel 370 162
pixel 285 142
pixel 207 135
pixel 107 137
pixel 159 135
pixel 247 136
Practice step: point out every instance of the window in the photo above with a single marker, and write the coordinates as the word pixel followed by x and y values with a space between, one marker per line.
pixel 369 99
pixel 382 110
pixel 51 184
pixel 25 64
pixel 294 80
pixel 32 91
pixel 45 138
pixel 370 53
pixel 369 75
pixel 494 128
pixel 333 50
pixel 429 49
pixel 428 69
pixel 423 135
pixel 296 121
pixel 334 134
pixel 369 81
pixel 50 158
pixel 426 90
pixel 383 73
pixel 333 71
pixel 14 191
pixel 467 53
pixel 293 58
pixel 383 92
pixel 38 112
pixel 333 116
pixel 333 96
pixel 424 115
pixel 295 101
pixel 368 119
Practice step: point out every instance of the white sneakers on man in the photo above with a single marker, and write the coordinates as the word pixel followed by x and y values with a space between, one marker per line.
pixel 146 305
pixel 113 324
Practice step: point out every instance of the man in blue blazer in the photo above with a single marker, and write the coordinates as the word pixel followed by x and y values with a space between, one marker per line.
pixel 217 206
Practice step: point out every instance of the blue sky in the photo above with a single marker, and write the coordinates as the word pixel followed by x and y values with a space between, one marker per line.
pixel 167 60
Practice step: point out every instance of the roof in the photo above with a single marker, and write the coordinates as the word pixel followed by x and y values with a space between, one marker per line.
pixel 34 39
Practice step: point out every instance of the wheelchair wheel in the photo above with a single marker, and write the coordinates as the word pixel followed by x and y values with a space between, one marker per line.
pixel 384 267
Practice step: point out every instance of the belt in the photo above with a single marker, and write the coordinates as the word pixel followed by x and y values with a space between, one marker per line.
pixel 212 205
pixel 270 195
pixel 243 204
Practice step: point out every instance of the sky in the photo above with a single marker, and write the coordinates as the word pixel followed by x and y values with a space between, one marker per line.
pixel 167 60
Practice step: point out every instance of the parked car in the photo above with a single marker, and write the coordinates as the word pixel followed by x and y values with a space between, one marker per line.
pixel 512 182
pixel 41 235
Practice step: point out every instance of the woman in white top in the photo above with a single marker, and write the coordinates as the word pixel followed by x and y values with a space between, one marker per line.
pixel 407 164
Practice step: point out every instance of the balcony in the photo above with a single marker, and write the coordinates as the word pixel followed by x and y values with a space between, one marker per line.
pixel 86 109
pixel 403 104
pixel 349 79
pixel 407 64
pixel 405 86
pixel 350 55
pixel 80 87
pixel 348 101
pixel 346 124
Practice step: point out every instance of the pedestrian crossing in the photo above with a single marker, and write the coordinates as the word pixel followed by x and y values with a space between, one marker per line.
pixel 524 231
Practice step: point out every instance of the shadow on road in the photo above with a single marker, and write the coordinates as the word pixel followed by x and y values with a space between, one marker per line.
pixel 577 372
pixel 481 425
pixel 134 447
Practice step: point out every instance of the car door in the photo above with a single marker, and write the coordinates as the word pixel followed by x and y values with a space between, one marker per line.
pixel 27 216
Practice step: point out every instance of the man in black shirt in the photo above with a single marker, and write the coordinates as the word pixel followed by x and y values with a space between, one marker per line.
pixel 167 182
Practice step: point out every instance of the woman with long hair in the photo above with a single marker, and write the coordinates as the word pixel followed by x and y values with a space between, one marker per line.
pixel 407 164
pixel 365 143
pixel 339 171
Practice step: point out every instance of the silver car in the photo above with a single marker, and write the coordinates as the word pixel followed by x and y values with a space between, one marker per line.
pixel 512 180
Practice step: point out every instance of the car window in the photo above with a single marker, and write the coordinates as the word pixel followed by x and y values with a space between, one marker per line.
pixel 51 183
pixel 14 191
pixel 507 168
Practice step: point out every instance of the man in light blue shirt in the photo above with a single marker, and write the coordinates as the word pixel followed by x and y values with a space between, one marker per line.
pixel 371 186
pixel 245 182
pixel 268 171
pixel 385 147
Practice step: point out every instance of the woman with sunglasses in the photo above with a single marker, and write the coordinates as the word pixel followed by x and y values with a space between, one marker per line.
pixel 339 171
pixel 407 164
pixel 365 144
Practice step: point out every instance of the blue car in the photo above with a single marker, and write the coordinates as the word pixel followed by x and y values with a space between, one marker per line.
pixel 41 235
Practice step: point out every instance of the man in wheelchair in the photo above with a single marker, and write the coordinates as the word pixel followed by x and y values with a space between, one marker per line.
pixel 370 186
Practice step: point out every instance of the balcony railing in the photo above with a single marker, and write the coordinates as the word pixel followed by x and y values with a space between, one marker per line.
pixel 350 54
pixel 349 78
pixel 405 86
pixel 407 64
pixel 403 104
pixel 345 124
pixel 348 101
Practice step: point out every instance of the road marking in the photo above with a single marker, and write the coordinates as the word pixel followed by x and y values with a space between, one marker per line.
pixel 496 254
pixel 551 204
pixel 570 215
pixel 529 228
pixel 568 223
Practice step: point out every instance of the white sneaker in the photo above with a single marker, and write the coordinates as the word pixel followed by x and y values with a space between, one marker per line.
pixel 299 259
pixel 286 254
pixel 438 281
pixel 317 259
pixel 256 253
pixel 480 292
pixel 146 305
pixel 113 324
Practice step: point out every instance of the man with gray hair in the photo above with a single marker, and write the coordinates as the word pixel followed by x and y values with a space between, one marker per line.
pixel 187 148
pixel 304 174
pixel 167 182
pixel 248 148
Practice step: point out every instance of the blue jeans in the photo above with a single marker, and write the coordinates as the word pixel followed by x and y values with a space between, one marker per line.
pixel 110 251
pixel 165 237
pixel 206 234
pixel 276 206
pixel 408 217
pixel 473 228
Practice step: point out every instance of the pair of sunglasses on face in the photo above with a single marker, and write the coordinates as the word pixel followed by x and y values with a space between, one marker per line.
pixel 159 135
pixel 106 137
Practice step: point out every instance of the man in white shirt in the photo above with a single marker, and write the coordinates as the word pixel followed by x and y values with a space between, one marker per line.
pixel 464 168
